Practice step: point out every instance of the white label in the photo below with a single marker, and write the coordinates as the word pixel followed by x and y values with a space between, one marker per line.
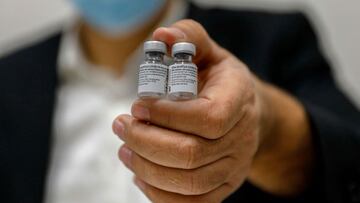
pixel 153 78
pixel 183 78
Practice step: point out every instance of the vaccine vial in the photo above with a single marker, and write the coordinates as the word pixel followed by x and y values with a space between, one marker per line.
pixel 153 73
pixel 183 73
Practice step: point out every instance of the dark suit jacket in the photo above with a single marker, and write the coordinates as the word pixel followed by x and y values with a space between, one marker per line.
pixel 280 48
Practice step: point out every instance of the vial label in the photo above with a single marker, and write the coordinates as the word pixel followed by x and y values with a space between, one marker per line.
pixel 153 78
pixel 183 78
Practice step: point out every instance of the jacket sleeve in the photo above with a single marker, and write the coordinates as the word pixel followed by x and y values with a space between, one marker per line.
pixel 304 72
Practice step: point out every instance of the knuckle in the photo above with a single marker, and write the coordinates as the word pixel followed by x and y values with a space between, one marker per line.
pixel 132 127
pixel 196 25
pixel 134 131
pixel 217 119
pixel 205 181
pixel 195 183
pixel 191 151
pixel 192 26
pixel 191 23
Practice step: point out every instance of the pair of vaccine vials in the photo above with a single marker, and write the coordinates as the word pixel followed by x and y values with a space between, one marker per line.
pixel 178 81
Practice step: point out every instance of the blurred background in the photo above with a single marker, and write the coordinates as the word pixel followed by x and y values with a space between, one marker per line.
pixel 336 22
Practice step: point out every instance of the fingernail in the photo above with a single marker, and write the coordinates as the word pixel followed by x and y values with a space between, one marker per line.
pixel 125 156
pixel 119 129
pixel 141 112
pixel 140 184
pixel 176 32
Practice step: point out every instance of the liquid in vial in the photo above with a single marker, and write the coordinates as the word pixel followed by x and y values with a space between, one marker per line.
pixel 183 74
pixel 153 73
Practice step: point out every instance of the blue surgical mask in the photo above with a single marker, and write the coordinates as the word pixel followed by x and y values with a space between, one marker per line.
pixel 117 16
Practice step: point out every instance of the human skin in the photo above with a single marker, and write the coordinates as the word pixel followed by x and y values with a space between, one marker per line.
pixel 239 128
pixel 112 52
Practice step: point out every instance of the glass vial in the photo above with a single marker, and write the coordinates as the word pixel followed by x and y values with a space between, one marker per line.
pixel 183 74
pixel 153 72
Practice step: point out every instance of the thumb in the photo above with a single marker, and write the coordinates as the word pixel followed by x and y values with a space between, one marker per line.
pixel 208 52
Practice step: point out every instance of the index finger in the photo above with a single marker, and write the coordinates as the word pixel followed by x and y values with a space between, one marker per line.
pixel 191 31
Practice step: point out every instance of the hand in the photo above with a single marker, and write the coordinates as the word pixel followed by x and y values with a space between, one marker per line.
pixel 199 150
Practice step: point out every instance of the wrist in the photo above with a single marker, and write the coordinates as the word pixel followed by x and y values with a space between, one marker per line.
pixel 284 160
pixel 268 120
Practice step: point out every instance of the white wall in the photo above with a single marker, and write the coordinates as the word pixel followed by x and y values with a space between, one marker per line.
pixel 24 21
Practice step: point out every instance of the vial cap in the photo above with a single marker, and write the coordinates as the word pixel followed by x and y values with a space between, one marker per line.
pixel 155 46
pixel 184 47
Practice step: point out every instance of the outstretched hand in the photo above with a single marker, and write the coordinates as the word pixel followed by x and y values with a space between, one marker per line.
pixel 200 150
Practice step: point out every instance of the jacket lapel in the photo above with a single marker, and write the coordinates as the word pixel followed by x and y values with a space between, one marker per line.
pixel 28 103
